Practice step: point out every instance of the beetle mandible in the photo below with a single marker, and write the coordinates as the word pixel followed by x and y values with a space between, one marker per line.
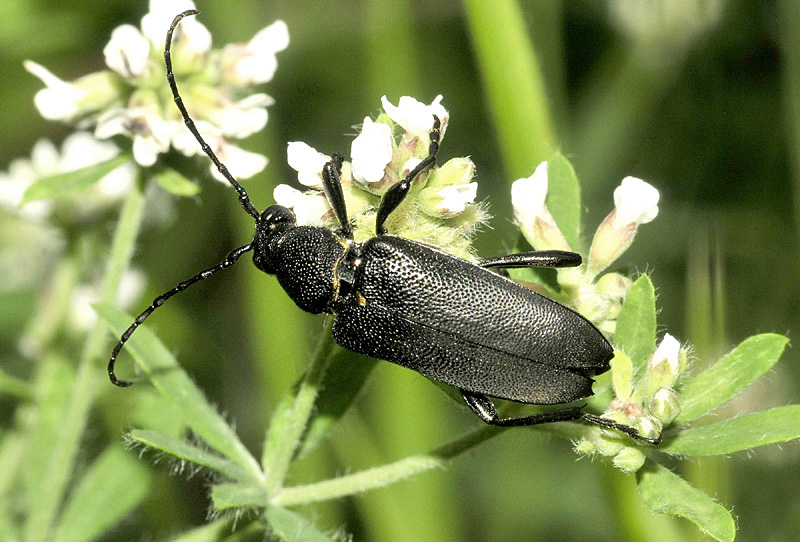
pixel 417 306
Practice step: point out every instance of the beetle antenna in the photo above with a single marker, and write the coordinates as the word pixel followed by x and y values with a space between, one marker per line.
pixel 229 260
pixel 244 198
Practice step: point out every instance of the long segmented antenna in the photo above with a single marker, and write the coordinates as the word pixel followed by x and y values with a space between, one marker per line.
pixel 244 199
pixel 157 302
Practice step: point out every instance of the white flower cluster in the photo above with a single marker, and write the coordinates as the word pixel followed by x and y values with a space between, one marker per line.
pixel 443 214
pixel 131 98
pixel 636 203
pixel 648 405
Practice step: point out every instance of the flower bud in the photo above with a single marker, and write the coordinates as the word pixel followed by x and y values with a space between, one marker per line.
pixel 456 171
pixel 665 405
pixel 648 427
pixel 609 445
pixel 629 460
pixel 446 201
pixel 663 368
pixel 636 203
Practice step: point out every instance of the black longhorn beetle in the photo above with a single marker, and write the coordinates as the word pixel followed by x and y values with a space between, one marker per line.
pixel 417 306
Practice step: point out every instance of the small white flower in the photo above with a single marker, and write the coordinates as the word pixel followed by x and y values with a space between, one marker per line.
pixel 83 316
pixel 636 202
pixel 663 368
pixel 241 164
pixel 160 15
pixel 371 151
pixel 243 118
pixel 127 52
pixel 667 352
pixel 150 132
pixel 528 196
pixel 59 100
pixel 255 62
pixel 82 149
pixel 456 197
pixel 415 117
pixel 307 162
pixel 309 209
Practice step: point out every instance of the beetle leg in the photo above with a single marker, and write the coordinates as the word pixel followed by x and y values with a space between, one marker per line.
pixel 398 191
pixel 484 408
pixel 540 258
pixel 331 184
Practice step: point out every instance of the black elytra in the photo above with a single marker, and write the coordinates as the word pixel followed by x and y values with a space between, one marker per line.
pixel 417 306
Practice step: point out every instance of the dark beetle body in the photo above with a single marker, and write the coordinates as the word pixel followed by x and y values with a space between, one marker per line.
pixel 466 326
pixel 417 306
pixel 446 318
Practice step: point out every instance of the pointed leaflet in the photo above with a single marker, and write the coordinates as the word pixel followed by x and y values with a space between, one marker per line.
pixel 668 493
pixel 64 184
pixel 730 375
pixel 174 384
pixel 749 431
pixel 636 324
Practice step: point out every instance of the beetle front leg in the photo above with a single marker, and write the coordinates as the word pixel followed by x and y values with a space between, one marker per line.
pixel 398 191
pixel 332 185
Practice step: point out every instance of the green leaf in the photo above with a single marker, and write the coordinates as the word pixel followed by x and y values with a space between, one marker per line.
pixel 636 324
pixel 212 532
pixel 343 380
pixel 64 184
pixel 113 486
pixel 564 198
pixel 668 493
pixel 175 183
pixel 730 375
pixel 54 381
pixel 174 384
pixel 188 452
pixel 292 527
pixel 228 496
pixel 779 424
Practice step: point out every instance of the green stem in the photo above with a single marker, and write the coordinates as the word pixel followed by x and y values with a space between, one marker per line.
pixel 384 475
pixel 293 413
pixel 514 84
pixel 62 463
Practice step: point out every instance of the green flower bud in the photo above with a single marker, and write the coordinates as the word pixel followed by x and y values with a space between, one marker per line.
pixel 665 405
pixel 664 367
pixel 629 460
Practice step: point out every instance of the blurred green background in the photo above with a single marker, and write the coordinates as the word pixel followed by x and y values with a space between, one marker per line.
pixel 705 105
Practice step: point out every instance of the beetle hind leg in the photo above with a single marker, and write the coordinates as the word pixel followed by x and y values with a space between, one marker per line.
pixel 483 407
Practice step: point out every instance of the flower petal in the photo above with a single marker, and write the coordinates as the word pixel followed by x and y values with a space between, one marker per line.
pixel 636 202
pixel 371 151
pixel 415 117
pixel 60 100
pixel 127 52
pixel 256 62
pixel 307 161
pixel 309 209
pixel 528 195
